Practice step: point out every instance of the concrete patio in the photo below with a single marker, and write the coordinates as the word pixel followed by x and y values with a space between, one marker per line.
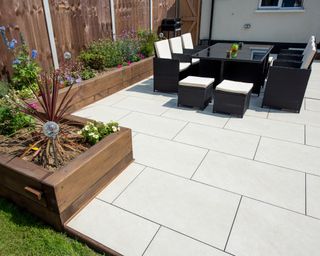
pixel 210 184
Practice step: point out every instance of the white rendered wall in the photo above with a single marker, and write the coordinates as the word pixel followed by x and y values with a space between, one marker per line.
pixel 276 26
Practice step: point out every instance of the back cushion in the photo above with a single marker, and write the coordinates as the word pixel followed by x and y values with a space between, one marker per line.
pixel 187 41
pixel 308 57
pixel 312 39
pixel 163 49
pixel 176 44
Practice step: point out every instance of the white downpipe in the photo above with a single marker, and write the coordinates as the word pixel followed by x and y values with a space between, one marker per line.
pixel 50 33
pixel 151 14
pixel 113 21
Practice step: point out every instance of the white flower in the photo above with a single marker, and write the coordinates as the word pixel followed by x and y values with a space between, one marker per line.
pixel 118 128
pixel 114 129
pixel 79 132
pixel 86 128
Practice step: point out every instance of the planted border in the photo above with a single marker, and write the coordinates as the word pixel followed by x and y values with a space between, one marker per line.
pixel 56 196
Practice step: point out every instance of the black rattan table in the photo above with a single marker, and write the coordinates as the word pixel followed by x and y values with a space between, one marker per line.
pixel 250 65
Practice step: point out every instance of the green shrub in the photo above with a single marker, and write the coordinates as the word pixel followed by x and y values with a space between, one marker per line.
pixel 92 60
pixel 87 73
pixel 12 120
pixel 4 89
pixel 93 132
pixel 25 69
pixel 147 39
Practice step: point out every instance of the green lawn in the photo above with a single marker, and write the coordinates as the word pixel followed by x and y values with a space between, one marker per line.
pixel 23 234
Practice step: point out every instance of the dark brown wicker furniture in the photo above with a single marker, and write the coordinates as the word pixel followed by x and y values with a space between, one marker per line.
pixel 250 65
pixel 232 97
pixel 195 91
pixel 168 68
pixel 287 83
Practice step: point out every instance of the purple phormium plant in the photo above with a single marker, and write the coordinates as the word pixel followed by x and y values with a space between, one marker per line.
pixel 49 110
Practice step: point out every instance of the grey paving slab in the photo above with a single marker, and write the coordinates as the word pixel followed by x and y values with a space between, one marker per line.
pixel 261 181
pixel 115 188
pixel 170 243
pixel 313 105
pixel 290 155
pixel 102 113
pixel 199 211
pixel 313 135
pixel 268 128
pixel 264 230
pixel 304 117
pixel 114 228
pixel 231 142
pixel 110 100
pixel 142 105
pixel 255 107
pixel 313 196
pixel 193 115
pixel 170 156
pixel 153 125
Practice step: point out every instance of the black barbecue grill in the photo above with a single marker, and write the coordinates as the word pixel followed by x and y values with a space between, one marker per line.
pixel 173 25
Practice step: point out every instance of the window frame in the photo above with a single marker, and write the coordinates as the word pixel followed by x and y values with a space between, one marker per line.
pixel 279 7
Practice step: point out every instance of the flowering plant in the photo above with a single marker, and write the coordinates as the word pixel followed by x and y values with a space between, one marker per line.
pixel 93 132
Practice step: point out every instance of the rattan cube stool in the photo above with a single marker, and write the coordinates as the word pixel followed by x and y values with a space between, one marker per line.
pixel 232 97
pixel 194 91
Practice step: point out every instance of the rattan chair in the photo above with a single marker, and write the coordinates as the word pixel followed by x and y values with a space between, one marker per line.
pixel 168 68
pixel 287 82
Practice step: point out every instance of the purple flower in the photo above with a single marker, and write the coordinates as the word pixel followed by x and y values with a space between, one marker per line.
pixel 16 62
pixel 78 80
pixel 34 54
pixel 2 28
pixel 12 44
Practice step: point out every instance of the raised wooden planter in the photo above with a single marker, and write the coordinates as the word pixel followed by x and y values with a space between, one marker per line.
pixel 108 83
pixel 56 196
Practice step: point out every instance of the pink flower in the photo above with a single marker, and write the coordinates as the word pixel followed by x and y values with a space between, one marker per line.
pixel 129 62
pixel 119 66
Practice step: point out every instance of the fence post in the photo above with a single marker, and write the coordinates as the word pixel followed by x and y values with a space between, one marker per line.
pixel 50 33
pixel 113 21
pixel 151 14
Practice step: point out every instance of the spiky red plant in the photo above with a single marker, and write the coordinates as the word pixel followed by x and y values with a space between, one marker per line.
pixel 51 111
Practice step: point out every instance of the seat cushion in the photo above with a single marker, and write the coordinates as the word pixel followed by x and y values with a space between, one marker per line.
pixel 183 66
pixel 195 61
pixel 196 81
pixel 163 49
pixel 176 45
pixel 187 41
pixel 234 87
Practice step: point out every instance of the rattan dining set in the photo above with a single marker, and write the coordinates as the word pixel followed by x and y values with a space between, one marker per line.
pixel 229 73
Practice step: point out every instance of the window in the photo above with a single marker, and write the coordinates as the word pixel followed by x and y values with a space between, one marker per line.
pixel 278 4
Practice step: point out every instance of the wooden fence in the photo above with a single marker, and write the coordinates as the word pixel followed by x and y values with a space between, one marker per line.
pixel 75 23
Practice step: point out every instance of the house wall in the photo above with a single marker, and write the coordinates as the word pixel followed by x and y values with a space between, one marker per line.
pixel 268 26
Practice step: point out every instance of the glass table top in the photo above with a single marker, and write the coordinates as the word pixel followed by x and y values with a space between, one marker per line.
pixel 248 52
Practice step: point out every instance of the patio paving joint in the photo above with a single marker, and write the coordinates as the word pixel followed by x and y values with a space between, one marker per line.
pixel 151 240
pixel 199 164
pixel 129 184
pixel 172 139
pixel 234 219
pixel 255 153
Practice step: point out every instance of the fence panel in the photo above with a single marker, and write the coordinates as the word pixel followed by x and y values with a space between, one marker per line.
pixel 28 18
pixel 162 9
pixel 131 15
pixel 79 22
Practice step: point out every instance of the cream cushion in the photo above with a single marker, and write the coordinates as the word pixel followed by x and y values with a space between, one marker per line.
pixel 183 66
pixel 163 49
pixel 309 45
pixel 187 41
pixel 195 61
pixel 196 81
pixel 234 87
pixel 308 57
pixel 176 45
